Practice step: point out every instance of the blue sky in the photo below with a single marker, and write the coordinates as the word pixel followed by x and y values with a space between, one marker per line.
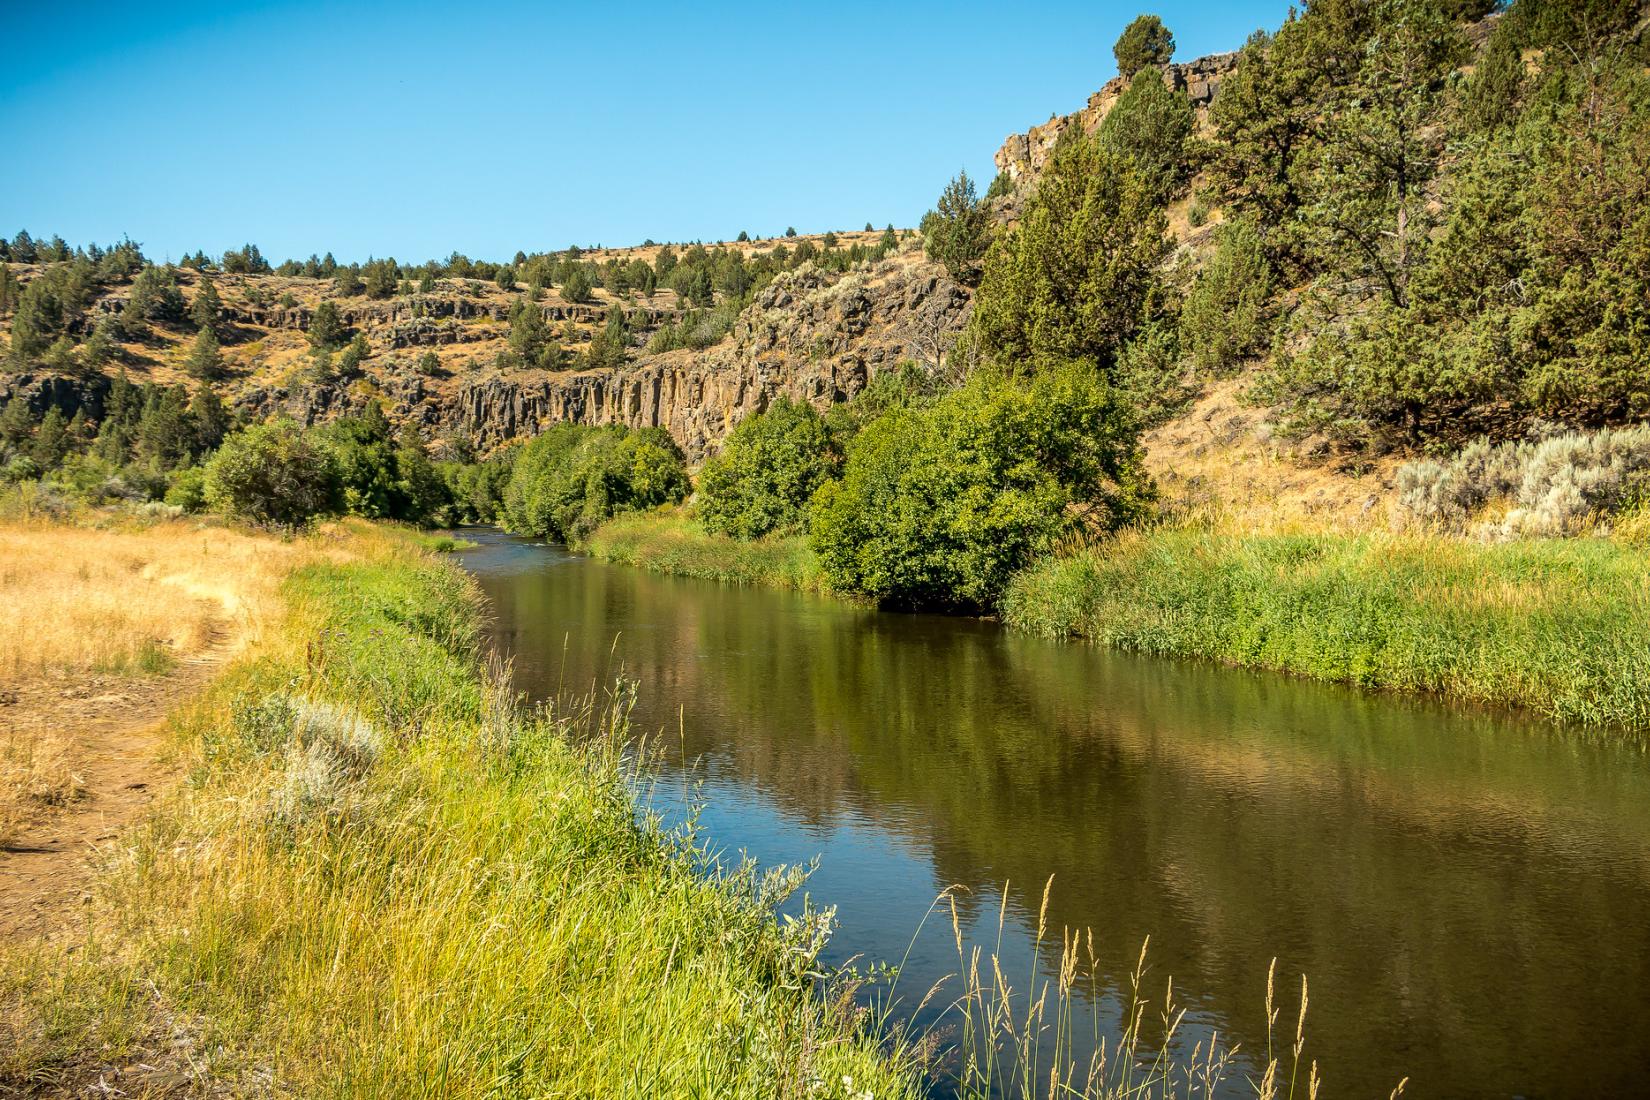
pixel 413 130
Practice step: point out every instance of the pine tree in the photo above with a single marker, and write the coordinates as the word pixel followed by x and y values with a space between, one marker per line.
pixel 16 423
pixel 1145 41
pixel 326 330
pixel 208 420
pixel 204 362
pixel 1365 184
pixel 51 441
pixel 206 308
pixel 100 347
pixel 1078 276
pixel 959 230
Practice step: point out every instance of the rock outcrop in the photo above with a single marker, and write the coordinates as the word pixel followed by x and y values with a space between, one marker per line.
pixel 1023 156
pixel 810 335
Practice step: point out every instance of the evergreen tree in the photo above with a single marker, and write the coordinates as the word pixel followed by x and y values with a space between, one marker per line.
pixel 576 287
pixel 346 282
pixel 1078 276
pixel 8 289
pixel 1152 123
pixel 23 249
pixel 100 348
pixel 204 362
pixel 381 279
pixel 1145 41
pixel 356 352
pixel 16 423
pixel 959 231
pixel 206 308
pixel 51 441
pixel 326 330
pixel 38 319
pixel 163 435
pixel 208 420
pixel 1367 205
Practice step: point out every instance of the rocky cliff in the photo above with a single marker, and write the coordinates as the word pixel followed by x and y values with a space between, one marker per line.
pixel 810 335
pixel 1023 156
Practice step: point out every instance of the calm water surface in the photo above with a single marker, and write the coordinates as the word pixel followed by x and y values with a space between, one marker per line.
pixel 1469 894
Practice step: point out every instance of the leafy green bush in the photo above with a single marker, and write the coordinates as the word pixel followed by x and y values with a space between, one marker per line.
pixel 940 504
pixel 767 472
pixel 569 479
pixel 271 474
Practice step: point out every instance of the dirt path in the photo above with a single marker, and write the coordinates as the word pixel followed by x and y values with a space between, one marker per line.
pixel 113 728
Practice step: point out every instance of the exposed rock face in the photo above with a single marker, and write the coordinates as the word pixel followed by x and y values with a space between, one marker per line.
pixel 810 336
pixel 1023 156
pixel 71 395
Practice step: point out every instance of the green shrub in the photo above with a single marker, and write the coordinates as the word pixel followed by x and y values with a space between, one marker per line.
pixel 188 489
pixel 767 471
pixel 271 474
pixel 940 504
pixel 573 477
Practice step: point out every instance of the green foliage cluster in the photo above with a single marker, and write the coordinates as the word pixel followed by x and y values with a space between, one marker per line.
pixel 941 502
pixel 1144 42
pixel 957 231
pixel 569 479
pixel 761 481
pixel 1473 248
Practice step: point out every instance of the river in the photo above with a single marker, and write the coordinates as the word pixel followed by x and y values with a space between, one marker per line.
pixel 1468 892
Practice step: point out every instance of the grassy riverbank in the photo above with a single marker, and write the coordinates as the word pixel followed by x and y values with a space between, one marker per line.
pixel 1557 626
pixel 1560 626
pixel 382 878
pixel 669 542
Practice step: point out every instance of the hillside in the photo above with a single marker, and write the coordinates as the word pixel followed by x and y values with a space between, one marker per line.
pixel 1315 297
pixel 813 333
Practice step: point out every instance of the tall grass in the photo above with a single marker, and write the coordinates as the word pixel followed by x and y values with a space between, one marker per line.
pixel 385 878
pixel 1559 627
pixel 669 542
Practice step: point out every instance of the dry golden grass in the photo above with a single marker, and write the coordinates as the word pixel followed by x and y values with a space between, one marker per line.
pixel 81 604
pixel 78 600
pixel 35 772
pixel 1220 461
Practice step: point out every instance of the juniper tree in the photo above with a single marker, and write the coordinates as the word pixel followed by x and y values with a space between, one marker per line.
pixel 204 362
pixel 206 307
pixel 326 330
pixel 959 230
pixel 1145 41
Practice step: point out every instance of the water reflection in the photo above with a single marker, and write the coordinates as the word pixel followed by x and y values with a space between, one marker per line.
pixel 1467 892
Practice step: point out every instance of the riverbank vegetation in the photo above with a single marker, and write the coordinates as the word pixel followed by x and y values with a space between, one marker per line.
pixel 381 874
pixel 678 544
pixel 1560 627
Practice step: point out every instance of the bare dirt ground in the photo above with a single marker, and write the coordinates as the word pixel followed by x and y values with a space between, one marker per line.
pixel 110 729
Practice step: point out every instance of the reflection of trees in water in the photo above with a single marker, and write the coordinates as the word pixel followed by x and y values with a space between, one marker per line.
pixel 1460 888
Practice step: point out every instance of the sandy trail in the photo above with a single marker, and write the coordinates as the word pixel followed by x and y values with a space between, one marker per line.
pixel 114 727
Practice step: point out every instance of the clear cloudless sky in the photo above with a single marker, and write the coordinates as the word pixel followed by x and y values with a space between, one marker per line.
pixel 414 130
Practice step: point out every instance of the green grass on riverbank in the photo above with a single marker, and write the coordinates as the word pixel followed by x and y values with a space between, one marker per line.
pixel 383 879
pixel 669 542
pixel 1561 627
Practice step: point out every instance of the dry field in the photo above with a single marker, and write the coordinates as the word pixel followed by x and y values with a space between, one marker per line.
pixel 102 632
